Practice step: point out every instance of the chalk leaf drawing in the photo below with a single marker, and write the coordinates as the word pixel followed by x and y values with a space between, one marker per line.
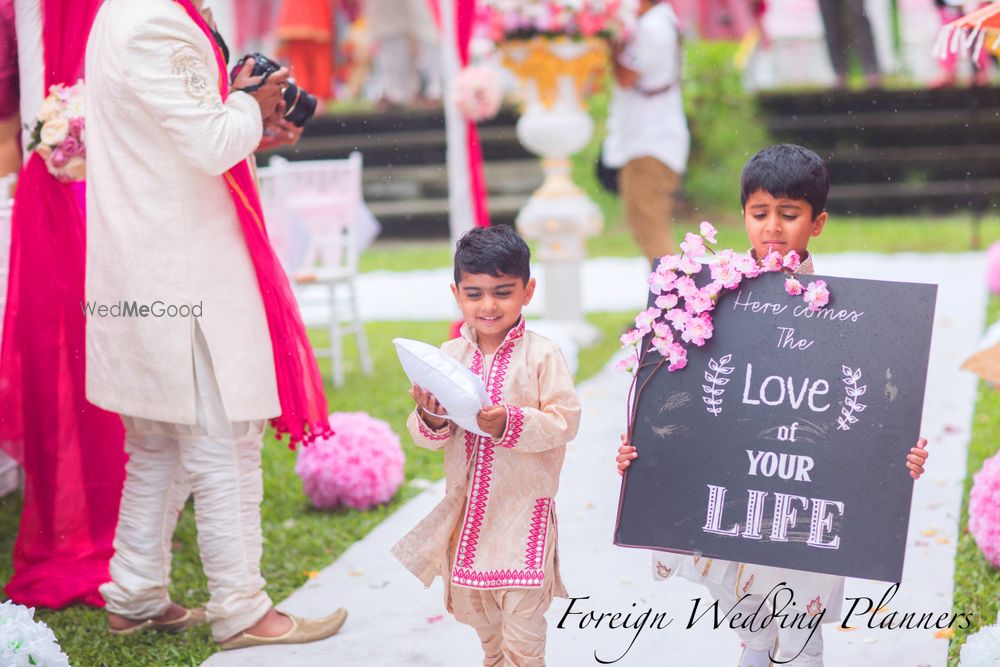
pixel 851 403
pixel 716 381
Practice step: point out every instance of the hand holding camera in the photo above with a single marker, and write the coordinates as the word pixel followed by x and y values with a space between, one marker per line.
pixel 255 71
pixel 267 88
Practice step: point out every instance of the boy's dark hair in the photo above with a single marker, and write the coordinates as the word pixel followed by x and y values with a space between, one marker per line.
pixel 495 251
pixel 787 170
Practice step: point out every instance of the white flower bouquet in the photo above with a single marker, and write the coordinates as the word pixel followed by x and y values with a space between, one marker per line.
pixel 58 134
pixel 25 642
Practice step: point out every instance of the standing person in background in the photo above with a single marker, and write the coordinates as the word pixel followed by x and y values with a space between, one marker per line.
pixel 305 35
pixel 952 10
pixel 838 42
pixel 407 62
pixel 648 137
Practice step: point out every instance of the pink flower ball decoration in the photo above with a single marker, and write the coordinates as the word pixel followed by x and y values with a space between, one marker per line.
pixel 984 509
pixel 360 466
pixel 478 93
pixel 993 267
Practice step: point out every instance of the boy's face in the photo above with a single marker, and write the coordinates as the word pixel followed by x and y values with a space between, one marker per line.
pixel 780 223
pixel 491 305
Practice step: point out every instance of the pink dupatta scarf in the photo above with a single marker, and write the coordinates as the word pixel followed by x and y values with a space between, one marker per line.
pixel 300 386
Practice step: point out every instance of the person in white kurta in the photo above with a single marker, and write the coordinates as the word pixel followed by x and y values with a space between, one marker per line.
pixel 193 377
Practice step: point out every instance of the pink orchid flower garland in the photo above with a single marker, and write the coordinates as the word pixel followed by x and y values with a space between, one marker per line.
pixel 682 314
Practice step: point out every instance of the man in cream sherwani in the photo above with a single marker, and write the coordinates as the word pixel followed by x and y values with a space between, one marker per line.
pixel 193 379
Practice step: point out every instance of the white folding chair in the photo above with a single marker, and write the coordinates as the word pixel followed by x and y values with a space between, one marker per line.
pixel 312 208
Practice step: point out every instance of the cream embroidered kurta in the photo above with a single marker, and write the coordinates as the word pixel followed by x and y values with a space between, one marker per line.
pixel 813 590
pixel 497 521
pixel 161 225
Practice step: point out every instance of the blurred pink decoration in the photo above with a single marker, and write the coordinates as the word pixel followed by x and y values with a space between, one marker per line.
pixel 360 466
pixel 984 509
pixel 478 93
pixel 993 268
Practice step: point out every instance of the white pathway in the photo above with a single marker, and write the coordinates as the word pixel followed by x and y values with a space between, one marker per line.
pixel 394 621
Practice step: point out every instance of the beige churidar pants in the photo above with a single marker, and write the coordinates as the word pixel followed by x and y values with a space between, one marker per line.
pixel 647 188
pixel 220 462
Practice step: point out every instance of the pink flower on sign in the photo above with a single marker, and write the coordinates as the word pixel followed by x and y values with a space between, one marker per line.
pixel 817 295
pixel 629 364
pixel 727 275
pixel 689 266
pixel 630 337
pixel 712 289
pixel 644 320
pixel 772 262
pixel 662 330
pixel 661 281
pixel 791 261
pixel 693 246
pixel 666 301
pixel 662 345
pixel 708 231
pixel 677 356
pixel 793 287
pixel 669 263
pixel 747 265
pixel 686 287
pixel 698 303
pixel 698 330
pixel 678 318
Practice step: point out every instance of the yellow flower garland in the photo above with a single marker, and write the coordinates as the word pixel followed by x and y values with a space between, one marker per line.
pixel 534 60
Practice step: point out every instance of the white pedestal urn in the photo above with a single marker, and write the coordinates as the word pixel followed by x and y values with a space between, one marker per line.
pixel 554 125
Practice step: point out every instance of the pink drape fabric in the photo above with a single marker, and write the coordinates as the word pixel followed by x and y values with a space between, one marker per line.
pixel 304 415
pixel 465 20
pixel 71 451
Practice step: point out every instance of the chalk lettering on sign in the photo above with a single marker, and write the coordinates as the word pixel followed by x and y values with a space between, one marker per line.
pixel 713 390
pixel 758 306
pixel 786 466
pixel 784 517
pixel 774 390
pixel 787 340
pixel 851 404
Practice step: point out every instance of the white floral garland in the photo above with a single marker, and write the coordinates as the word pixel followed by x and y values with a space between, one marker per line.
pixel 25 642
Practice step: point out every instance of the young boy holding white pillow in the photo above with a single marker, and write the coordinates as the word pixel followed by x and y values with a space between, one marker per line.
pixel 493 538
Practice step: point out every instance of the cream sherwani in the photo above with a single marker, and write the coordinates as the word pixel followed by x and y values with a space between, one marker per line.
pixel 162 229
pixel 493 538
pixel 161 225
pixel 729 581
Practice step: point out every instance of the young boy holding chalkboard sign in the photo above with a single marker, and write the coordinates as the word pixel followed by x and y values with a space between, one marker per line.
pixel 493 537
pixel 783 191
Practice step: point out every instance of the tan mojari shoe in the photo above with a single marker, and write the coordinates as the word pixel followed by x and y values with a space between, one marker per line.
pixel 191 618
pixel 303 631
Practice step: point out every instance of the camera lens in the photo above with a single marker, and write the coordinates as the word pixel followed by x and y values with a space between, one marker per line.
pixel 299 105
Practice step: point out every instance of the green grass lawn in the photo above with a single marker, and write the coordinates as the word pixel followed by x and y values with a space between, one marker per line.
pixel 944 234
pixel 298 539
pixel 977 583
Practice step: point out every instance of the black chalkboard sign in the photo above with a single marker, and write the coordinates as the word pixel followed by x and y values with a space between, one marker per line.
pixel 783 441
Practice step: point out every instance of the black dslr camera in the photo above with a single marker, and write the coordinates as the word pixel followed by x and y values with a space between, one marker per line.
pixel 299 104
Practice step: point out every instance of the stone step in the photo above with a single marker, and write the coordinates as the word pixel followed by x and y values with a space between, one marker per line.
pixel 429 217
pixel 913 163
pixel 839 102
pixel 916 198
pixel 508 177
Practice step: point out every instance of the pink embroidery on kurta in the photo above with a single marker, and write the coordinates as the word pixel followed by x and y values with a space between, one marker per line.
pixel 536 535
pixel 428 433
pixel 465 557
pixel 515 425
